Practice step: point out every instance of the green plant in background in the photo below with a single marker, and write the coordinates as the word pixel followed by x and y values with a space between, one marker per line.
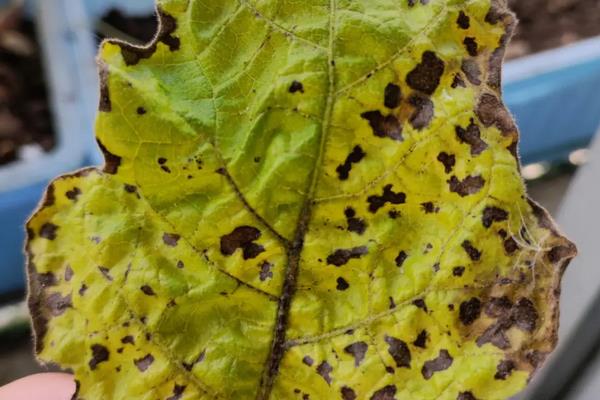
pixel 301 200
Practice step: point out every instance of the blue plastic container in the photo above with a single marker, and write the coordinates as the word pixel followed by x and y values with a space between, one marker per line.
pixel 64 37
pixel 555 97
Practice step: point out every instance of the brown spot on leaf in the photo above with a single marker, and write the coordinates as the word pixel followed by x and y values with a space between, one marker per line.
pixel 426 76
pixel 73 194
pixel 144 363
pixel 423 113
pixel 111 161
pixel 560 253
pixel 447 160
pixel 355 157
pixel 495 334
pixel 356 225
pixel 198 360
pixel 471 46
pixel 443 361
pixel 468 186
pixel 342 256
pixel 420 303
pixel 401 258
pixel 458 82
pixel 141 111
pixel 342 284
pixel 130 188
pixel 496 58
pixel 387 393
pixel 48 231
pixel 147 290
pixel 128 340
pixel 510 246
pixel 393 96
pixel 100 354
pixel 57 304
pixel 472 137
pixel 177 392
pixel 536 358
pixel 399 352
pixel 105 104
pixel 46 279
pixel 266 271
pixel 504 369
pixel 324 369
pixel 358 350
pixel 463 21
pixel 491 112
pixel 307 360
pixel 384 126
pixel 296 87
pixel 525 315
pixel 496 13
pixel 474 254
pixel 470 311
pixel 498 307
pixel 493 214
pixel 348 393
pixel 472 71
pixel 458 271
pixel 68 273
pixel 466 396
pixel 421 340
pixel 389 196
pixel 243 238
pixel 430 208
pixel 49 199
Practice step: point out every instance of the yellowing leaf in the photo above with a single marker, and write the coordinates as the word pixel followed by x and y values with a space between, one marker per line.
pixel 301 200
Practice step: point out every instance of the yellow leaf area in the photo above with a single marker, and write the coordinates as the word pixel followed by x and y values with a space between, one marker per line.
pixel 312 199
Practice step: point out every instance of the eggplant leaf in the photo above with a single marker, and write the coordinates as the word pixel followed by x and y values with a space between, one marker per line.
pixel 312 199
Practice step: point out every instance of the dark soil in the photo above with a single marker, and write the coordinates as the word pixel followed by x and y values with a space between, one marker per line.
pixel 546 24
pixel 139 30
pixel 25 118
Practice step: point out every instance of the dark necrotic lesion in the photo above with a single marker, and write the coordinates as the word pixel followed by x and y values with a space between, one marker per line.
pixel 355 224
pixel 388 196
pixel 392 96
pixel 426 76
pixel 356 156
pixel 472 136
pixel 384 126
pixel 244 238
pixel 343 256
pixel 468 186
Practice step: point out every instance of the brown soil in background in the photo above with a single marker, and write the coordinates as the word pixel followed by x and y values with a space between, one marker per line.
pixel 25 118
pixel 546 24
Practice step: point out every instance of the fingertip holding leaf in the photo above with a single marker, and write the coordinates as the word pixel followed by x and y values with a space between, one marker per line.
pixel 301 202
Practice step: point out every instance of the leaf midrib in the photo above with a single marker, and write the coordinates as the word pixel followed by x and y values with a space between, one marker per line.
pixel 294 250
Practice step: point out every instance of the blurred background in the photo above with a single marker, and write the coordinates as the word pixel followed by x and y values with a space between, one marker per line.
pixel 48 98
